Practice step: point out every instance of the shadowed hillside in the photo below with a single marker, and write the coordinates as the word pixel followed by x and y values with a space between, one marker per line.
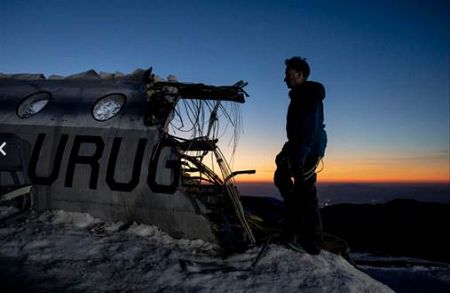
pixel 399 227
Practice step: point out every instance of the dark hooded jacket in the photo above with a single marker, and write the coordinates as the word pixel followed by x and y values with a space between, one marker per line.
pixel 305 128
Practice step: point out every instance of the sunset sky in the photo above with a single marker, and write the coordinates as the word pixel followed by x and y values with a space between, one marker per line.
pixel 384 64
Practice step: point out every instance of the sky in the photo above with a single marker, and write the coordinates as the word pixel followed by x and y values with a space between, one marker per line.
pixel 384 64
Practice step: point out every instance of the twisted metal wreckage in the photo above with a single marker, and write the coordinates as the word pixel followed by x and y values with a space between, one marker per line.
pixel 102 144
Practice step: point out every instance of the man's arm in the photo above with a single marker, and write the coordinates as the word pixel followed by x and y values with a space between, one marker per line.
pixel 308 128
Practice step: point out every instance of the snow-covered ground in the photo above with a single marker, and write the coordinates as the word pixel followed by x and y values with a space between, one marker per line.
pixel 405 274
pixel 73 252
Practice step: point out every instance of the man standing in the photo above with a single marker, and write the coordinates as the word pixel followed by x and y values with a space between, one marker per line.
pixel 295 175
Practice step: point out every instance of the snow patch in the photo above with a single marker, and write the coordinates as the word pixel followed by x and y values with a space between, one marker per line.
pixel 6 211
pixel 78 220
pixel 144 230
pixel 113 227
pixel 83 254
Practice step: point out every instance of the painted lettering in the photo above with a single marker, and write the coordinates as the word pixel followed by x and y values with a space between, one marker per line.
pixel 136 173
pixel 91 160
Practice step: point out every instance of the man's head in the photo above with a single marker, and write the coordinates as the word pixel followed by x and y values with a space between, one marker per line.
pixel 297 71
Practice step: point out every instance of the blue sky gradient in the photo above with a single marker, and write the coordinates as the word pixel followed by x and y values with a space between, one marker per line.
pixel 385 64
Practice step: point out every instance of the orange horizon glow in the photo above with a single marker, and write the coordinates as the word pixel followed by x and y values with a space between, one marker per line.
pixel 351 165
pixel 322 178
pixel 319 181
pixel 357 170
pixel 329 178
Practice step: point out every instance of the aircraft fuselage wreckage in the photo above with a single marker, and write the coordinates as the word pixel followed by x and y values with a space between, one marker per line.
pixel 101 144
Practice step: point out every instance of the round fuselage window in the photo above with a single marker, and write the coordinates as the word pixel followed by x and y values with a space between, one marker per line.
pixel 33 104
pixel 108 106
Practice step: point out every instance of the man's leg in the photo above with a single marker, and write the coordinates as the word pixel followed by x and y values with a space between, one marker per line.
pixel 283 181
pixel 309 204
pixel 310 224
